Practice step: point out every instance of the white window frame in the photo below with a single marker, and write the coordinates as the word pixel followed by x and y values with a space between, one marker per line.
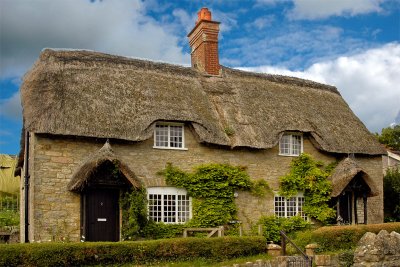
pixel 169 131
pixel 290 137
pixel 169 205
pixel 289 207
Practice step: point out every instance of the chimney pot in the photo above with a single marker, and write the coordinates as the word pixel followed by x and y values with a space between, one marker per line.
pixel 203 14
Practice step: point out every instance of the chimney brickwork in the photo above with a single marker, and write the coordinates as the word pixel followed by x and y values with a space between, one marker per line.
pixel 203 40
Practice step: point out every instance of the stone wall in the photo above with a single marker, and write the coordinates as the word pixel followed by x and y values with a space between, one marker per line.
pixel 378 250
pixel 55 212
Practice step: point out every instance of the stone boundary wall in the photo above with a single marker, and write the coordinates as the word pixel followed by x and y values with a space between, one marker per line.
pixel 378 250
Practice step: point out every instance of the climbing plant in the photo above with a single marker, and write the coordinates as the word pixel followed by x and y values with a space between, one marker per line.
pixel 309 176
pixel 212 187
pixel 133 204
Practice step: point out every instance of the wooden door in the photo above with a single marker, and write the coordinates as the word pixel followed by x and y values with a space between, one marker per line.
pixel 102 214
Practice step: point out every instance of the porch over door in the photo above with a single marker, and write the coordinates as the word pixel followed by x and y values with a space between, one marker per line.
pixel 102 214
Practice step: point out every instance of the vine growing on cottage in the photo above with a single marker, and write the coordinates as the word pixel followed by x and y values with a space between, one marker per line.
pixel 212 187
pixel 309 176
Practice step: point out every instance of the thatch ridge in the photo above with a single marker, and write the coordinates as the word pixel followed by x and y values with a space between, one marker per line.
pixel 284 79
pixel 344 172
pixel 83 93
pixel 82 174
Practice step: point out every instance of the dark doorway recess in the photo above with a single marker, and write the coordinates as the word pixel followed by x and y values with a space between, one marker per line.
pixel 100 217
pixel 356 191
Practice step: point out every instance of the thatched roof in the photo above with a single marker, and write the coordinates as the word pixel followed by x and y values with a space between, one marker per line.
pixel 80 177
pixel 83 93
pixel 344 172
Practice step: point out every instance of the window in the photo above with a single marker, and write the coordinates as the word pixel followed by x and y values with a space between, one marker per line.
pixel 169 204
pixel 291 144
pixel 169 136
pixel 288 207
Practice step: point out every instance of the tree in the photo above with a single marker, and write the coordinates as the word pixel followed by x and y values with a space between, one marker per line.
pixel 391 191
pixel 390 137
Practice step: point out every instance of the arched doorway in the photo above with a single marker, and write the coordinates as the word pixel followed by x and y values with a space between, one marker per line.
pixel 352 202
pixel 351 188
pixel 100 203
pixel 100 182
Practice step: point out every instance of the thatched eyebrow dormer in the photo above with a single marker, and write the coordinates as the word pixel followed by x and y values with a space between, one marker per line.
pixel 83 93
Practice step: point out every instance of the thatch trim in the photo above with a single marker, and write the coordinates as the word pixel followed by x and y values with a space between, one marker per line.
pixel 344 172
pixel 80 177
pixel 82 93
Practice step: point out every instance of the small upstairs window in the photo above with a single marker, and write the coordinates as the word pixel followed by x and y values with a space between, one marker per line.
pixel 169 136
pixel 291 144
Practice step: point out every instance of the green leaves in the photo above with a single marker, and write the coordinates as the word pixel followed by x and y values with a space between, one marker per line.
pixel 391 191
pixel 390 136
pixel 213 187
pixel 272 225
pixel 307 175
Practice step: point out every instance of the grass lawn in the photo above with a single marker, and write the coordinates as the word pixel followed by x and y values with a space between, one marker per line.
pixel 203 263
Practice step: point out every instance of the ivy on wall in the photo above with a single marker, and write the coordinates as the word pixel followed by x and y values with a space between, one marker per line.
pixel 212 187
pixel 309 176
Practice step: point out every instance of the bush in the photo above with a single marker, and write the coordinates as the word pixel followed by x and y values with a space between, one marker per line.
pixel 333 238
pixel 391 192
pixel 9 218
pixel 272 225
pixel 138 252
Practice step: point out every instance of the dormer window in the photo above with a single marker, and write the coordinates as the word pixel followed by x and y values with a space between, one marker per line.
pixel 291 144
pixel 169 136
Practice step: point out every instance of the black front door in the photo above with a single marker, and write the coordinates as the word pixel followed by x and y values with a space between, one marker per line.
pixel 102 214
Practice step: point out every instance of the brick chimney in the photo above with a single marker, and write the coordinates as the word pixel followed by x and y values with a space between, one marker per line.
pixel 203 40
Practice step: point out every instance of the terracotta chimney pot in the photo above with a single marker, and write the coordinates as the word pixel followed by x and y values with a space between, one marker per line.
pixel 203 14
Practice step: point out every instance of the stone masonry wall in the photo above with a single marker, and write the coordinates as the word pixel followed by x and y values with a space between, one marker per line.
pixel 55 212
pixel 378 250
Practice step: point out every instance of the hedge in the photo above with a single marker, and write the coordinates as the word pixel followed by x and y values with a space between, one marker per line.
pixel 334 238
pixel 135 252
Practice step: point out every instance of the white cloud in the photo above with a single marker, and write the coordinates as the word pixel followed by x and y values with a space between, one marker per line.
pixel 368 81
pixel 118 27
pixel 11 107
pixel 318 9
pixel 261 22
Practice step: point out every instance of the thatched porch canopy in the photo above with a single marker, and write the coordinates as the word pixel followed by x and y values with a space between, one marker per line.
pixel 344 172
pixel 84 93
pixel 81 176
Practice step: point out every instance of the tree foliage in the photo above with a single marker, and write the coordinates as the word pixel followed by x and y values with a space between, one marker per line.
pixel 391 188
pixel 308 176
pixel 390 137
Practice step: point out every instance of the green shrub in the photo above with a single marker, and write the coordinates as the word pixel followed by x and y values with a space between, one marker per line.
pixel 9 218
pixel 161 230
pixel 138 252
pixel 391 192
pixel 272 225
pixel 333 238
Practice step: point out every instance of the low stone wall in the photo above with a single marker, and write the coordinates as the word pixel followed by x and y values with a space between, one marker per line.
pixel 378 250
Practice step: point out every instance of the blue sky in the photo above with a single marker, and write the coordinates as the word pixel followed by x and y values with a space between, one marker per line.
pixel 353 45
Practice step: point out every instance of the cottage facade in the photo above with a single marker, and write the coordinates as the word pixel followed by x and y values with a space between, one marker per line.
pixel 85 110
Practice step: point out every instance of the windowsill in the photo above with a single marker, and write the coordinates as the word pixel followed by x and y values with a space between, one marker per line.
pixel 172 222
pixel 287 155
pixel 170 148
